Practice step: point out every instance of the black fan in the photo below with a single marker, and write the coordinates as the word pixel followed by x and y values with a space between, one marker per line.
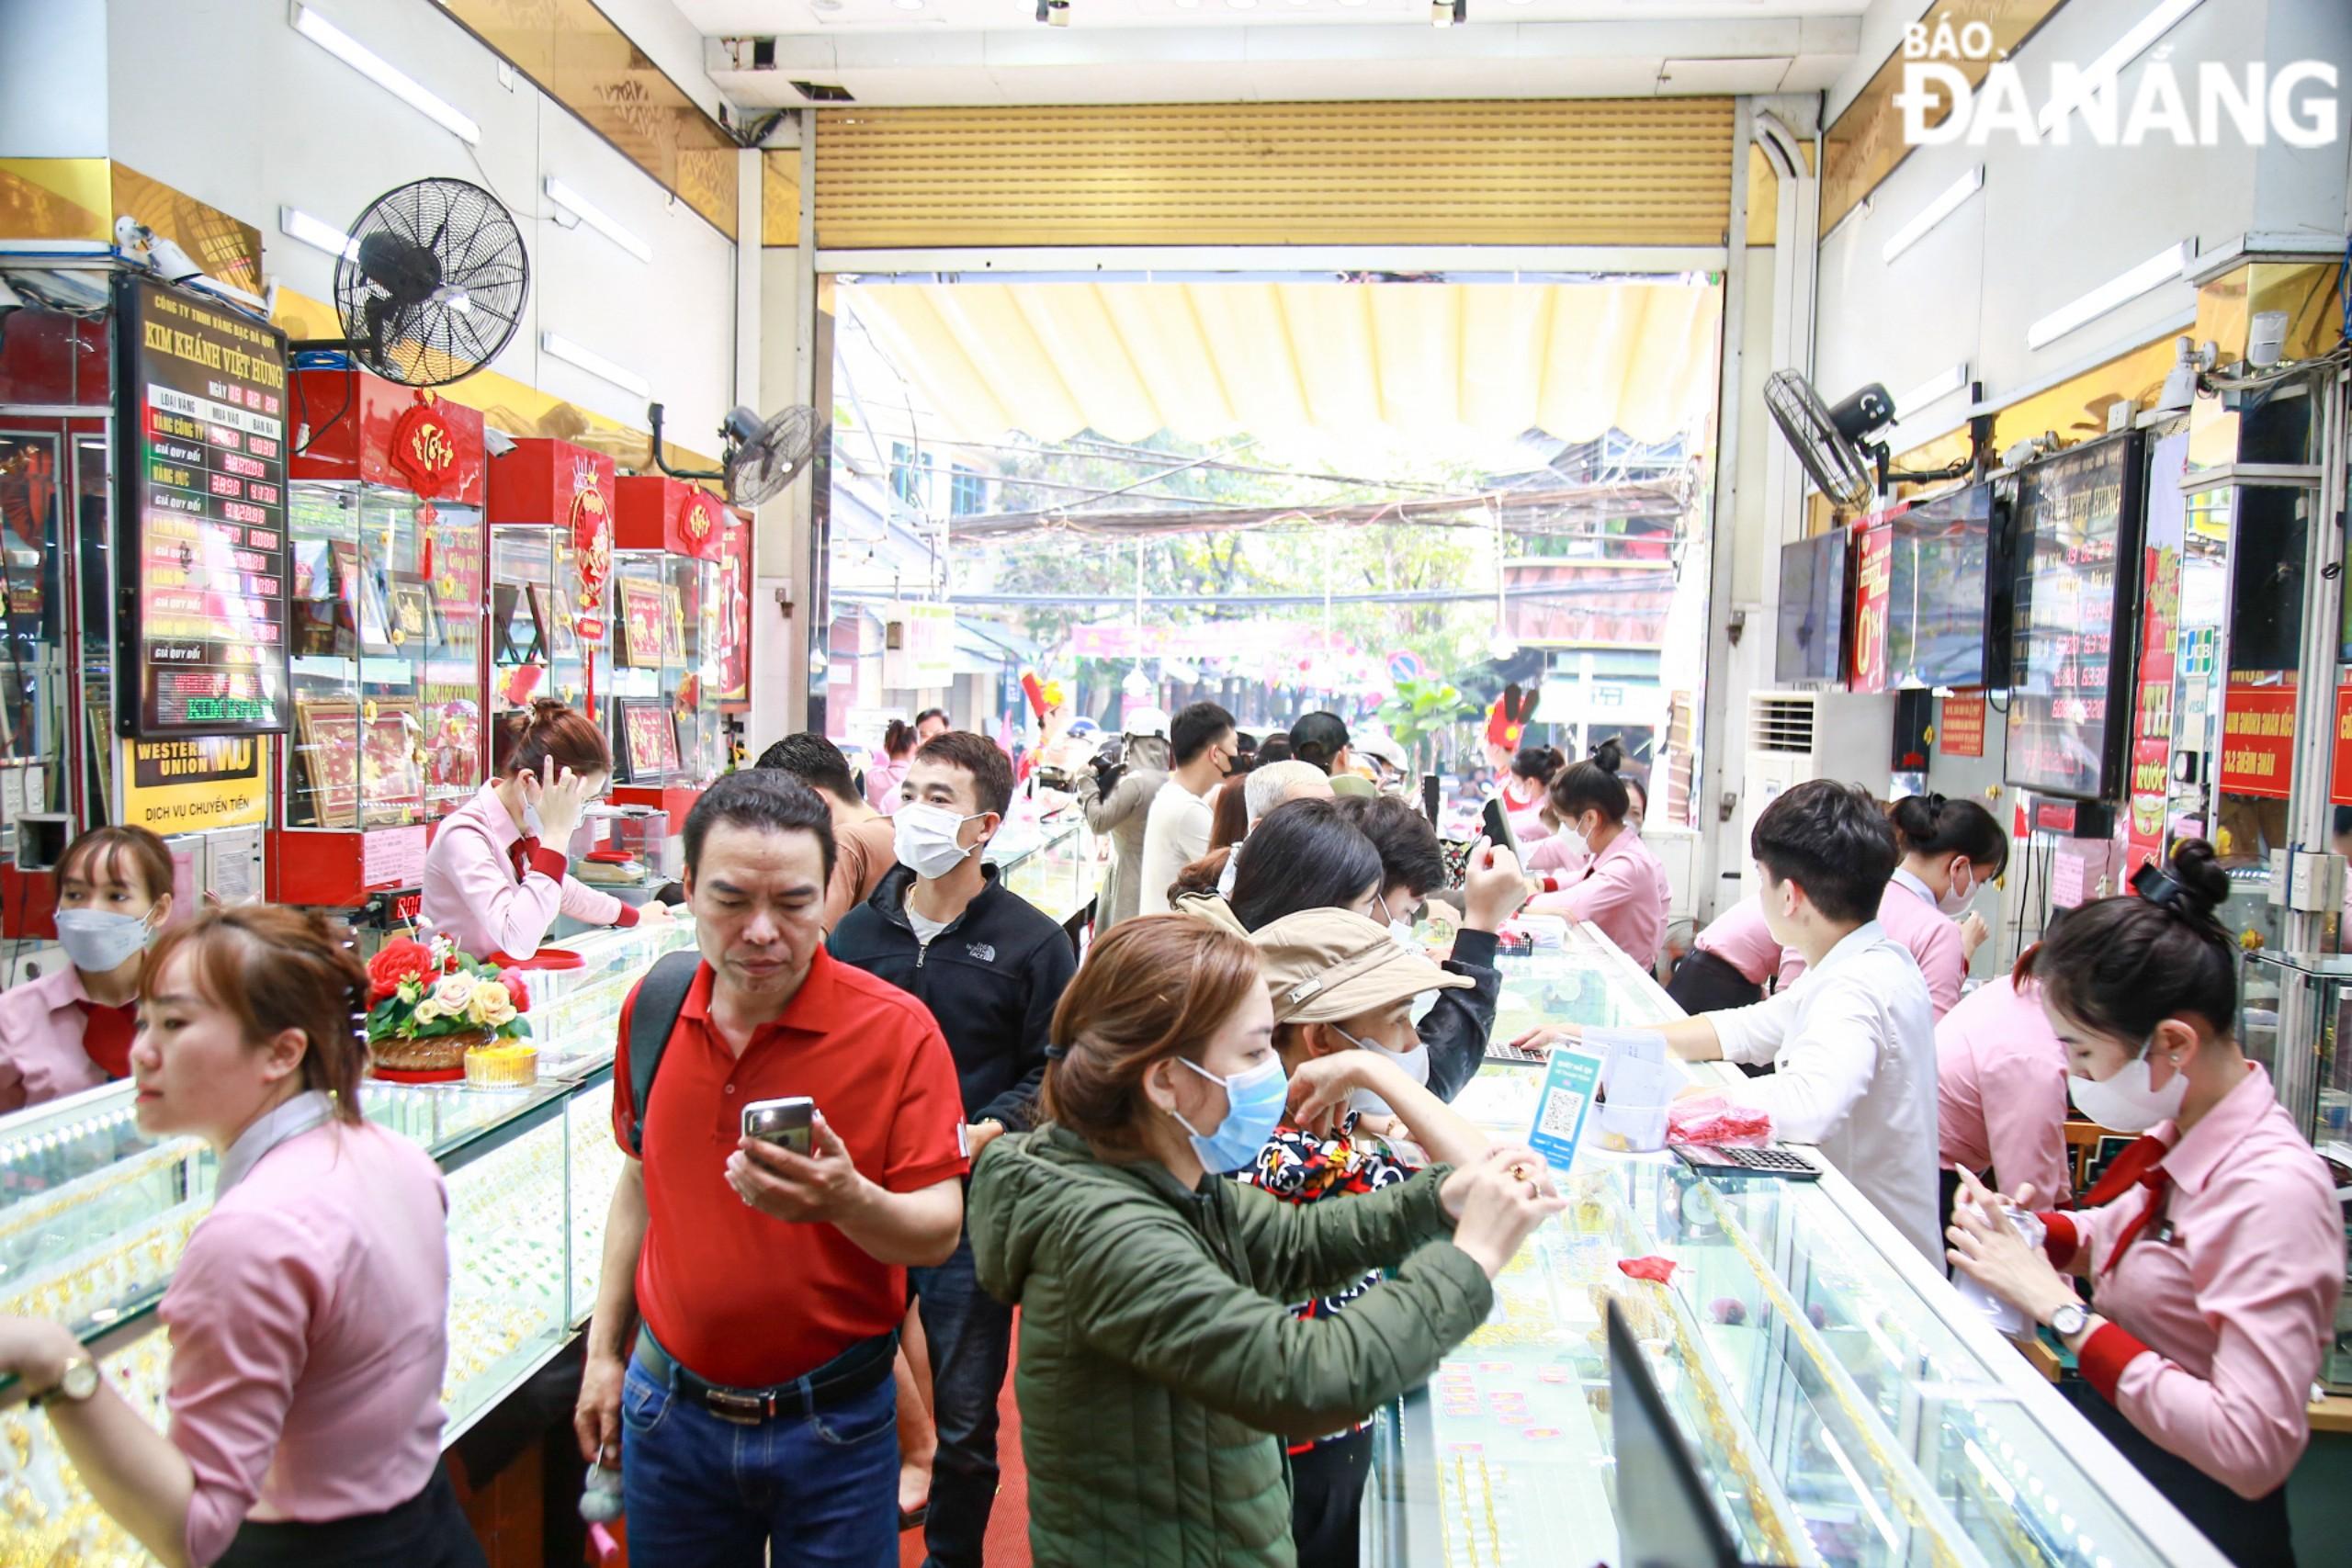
pixel 433 284
pixel 762 455
pixel 1828 441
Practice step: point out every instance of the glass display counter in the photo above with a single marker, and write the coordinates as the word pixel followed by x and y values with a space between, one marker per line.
pixel 93 1216
pixel 1845 1405
pixel 1056 870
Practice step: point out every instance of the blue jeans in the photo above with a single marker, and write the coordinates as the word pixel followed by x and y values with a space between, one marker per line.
pixel 970 1334
pixel 820 1490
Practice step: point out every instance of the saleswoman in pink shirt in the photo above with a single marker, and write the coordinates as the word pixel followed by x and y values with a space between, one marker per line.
pixel 1729 962
pixel 309 1311
pixel 1623 889
pixel 2214 1277
pixel 2001 1091
pixel 498 872
pixel 69 1029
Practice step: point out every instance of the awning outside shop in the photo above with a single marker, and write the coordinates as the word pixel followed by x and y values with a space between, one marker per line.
pixel 1445 367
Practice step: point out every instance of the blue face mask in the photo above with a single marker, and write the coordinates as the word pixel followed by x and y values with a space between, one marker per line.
pixel 1254 1104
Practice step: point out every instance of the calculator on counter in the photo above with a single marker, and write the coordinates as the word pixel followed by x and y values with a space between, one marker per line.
pixel 1717 1160
pixel 1504 1050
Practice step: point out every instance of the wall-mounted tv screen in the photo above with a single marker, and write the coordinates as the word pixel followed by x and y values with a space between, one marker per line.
pixel 1814 596
pixel 2078 524
pixel 1947 599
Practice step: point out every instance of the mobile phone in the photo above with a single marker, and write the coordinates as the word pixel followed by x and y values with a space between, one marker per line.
pixel 1496 823
pixel 784 1123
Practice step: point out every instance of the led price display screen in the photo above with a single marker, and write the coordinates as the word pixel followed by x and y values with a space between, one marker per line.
pixel 1936 602
pixel 2077 567
pixel 201 394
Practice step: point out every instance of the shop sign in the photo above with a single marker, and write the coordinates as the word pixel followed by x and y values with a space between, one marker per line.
pixel 187 786
pixel 2340 773
pixel 1873 577
pixel 2258 740
pixel 2148 789
pixel 1960 724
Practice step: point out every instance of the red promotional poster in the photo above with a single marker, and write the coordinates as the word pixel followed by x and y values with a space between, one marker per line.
pixel 2340 774
pixel 2258 740
pixel 2148 786
pixel 1873 575
pixel 1960 724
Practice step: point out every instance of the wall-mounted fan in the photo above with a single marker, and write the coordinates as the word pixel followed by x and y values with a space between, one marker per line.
pixel 1829 439
pixel 433 283
pixel 762 455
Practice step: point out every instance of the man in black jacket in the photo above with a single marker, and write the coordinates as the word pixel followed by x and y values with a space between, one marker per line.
pixel 990 966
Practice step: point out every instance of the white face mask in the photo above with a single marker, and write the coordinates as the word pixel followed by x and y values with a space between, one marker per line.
pixel 927 839
pixel 98 939
pixel 1416 1062
pixel 2127 1102
pixel 530 820
pixel 1232 869
pixel 1957 897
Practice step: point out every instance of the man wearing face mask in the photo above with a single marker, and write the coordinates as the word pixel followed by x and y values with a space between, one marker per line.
pixel 1343 992
pixel 71 1029
pixel 1201 743
pixel 990 966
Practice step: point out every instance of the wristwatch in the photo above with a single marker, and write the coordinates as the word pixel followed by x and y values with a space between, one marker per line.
pixel 78 1382
pixel 2070 1320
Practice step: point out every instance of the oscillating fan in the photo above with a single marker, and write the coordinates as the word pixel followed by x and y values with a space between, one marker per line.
pixel 762 455
pixel 1827 441
pixel 432 286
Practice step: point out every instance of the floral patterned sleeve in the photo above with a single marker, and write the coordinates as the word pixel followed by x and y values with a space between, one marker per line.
pixel 1299 1166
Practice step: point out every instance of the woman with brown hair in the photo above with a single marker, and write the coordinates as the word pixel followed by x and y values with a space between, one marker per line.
pixel 1154 1344
pixel 70 1030
pixel 309 1311
pixel 889 770
pixel 499 871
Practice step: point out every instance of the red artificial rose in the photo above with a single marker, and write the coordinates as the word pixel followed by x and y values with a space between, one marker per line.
pixel 512 980
pixel 400 960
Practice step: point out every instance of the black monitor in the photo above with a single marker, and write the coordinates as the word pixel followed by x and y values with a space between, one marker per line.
pixel 1666 1513
pixel 1815 602
pixel 1947 600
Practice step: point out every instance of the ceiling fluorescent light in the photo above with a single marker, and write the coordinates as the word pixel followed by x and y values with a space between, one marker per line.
pixel 297 224
pixel 384 74
pixel 2101 72
pixel 1931 391
pixel 2163 267
pixel 594 216
pixel 596 364
pixel 1935 212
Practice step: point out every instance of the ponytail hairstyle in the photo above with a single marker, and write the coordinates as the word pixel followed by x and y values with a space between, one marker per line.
pixel 1154 988
pixel 1932 826
pixel 1538 762
pixel 1593 785
pixel 527 738
pixel 899 739
pixel 2122 965
pixel 272 968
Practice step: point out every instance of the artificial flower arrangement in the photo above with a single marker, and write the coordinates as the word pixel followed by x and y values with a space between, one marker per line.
pixel 430 1005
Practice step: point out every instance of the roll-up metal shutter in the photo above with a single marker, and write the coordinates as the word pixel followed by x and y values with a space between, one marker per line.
pixel 1580 172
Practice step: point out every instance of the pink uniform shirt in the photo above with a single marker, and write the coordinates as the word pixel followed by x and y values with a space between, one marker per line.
pixel 1562 853
pixel 41 1057
pixel 1907 912
pixel 2001 1091
pixel 1622 891
pixel 1741 938
pixel 473 896
pixel 308 1318
pixel 2218 1309
pixel 882 782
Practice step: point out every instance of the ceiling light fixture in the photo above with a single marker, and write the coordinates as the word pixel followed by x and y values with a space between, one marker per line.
pixel 2163 267
pixel 297 224
pixel 594 216
pixel 2101 72
pixel 385 75
pixel 1054 13
pixel 596 364
pixel 1449 13
pixel 1935 212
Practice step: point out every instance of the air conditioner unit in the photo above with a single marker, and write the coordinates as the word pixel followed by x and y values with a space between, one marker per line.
pixel 1795 735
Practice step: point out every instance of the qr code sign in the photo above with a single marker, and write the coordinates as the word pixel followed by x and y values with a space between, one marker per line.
pixel 1562 1108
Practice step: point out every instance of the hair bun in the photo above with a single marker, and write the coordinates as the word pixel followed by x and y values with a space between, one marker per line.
pixel 1610 755
pixel 2197 869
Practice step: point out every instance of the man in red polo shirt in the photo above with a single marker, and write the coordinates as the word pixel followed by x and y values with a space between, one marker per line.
pixel 752 1408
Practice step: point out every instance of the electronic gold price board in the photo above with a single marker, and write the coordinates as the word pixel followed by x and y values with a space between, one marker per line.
pixel 200 394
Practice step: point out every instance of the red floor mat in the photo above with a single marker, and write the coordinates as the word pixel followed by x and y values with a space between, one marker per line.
pixel 1008 1543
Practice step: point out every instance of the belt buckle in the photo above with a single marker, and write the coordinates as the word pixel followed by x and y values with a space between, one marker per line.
pixel 742 1409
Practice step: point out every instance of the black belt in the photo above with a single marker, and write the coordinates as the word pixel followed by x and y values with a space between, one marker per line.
pixel 852 1372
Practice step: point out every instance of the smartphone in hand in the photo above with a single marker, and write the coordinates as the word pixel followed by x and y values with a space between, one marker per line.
pixel 784 1123
pixel 1496 823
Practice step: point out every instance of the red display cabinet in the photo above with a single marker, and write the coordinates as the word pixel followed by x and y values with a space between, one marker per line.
pixel 386 612
pixel 550 569
pixel 666 603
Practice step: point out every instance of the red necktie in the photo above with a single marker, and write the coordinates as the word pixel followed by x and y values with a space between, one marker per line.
pixel 520 853
pixel 2124 1172
pixel 2156 1181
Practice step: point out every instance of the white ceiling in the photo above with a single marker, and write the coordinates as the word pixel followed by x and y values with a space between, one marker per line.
pixel 976 53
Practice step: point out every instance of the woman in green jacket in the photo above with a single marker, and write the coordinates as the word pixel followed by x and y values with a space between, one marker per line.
pixel 1160 1369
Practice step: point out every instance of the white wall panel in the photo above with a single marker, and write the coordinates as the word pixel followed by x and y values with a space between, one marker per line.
pixel 52 79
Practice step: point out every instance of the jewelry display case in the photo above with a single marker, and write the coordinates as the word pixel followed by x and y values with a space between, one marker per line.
pixel 1845 1405
pixel 1057 872
pixel 93 1216
pixel 667 600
